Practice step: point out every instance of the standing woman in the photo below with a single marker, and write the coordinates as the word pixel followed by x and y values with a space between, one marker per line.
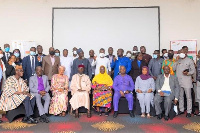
pixel 17 54
pixel 136 66
pixel 3 68
pixel 59 88
pixel 144 88
pixel 102 93
pixel 10 66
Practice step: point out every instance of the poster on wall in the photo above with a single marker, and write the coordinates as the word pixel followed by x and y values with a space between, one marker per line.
pixel 23 46
pixel 191 44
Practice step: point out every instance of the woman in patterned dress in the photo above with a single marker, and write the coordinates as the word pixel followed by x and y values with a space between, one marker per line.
pixel 59 88
pixel 102 93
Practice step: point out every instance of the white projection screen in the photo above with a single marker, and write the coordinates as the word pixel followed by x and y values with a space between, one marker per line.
pixel 95 28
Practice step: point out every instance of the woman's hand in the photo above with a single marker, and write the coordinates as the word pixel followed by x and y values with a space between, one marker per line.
pixel 149 91
pixel 139 91
pixel 60 90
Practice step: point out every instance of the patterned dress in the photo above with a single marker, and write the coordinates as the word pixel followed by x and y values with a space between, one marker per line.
pixel 59 100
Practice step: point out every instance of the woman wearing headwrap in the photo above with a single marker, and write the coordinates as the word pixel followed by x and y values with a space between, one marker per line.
pixel 102 94
pixel 144 87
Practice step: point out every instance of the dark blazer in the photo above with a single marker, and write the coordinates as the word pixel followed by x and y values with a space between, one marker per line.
pixel 135 70
pixel 113 56
pixel 40 62
pixel 26 64
pixel 173 83
pixel 4 57
pixel 10 70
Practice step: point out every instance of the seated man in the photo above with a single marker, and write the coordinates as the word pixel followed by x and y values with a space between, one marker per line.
pixel 16 93
pixel 80 88
pixel 39 87
pixel 123 87
pixel 167 89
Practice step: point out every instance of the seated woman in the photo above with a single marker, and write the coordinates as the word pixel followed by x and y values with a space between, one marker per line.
pixel 144 87
pixel 17 54
pixel 59 88
pixel 10 66
pixel 80 89
pixel 102 94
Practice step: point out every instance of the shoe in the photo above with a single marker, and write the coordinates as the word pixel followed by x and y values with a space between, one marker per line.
pixel 46 120
pixel 166 118
pixel 131 113
pixel 180 113
pixel 41 119
pixel 159 117
pixel 115 114
pixel 99 113
pixel 188 115
pixel 88 114
pixel 24 120
pixel 1 121
pixel 31 121
pixel 198 114
pixel 106 114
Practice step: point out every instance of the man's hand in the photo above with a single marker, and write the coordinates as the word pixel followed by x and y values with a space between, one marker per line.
pixel 95 58
pixel 114 59
pixel 60 90
pixel 177 58
pixel 42 93
pixel 154 77
pixel 175 102
pixel 18 93
pixel 149 91
pixel 139 91
pixel 161 93
pixel 122 94
pixel 185 73
pixel 26 82
pixel 109 72
pixel 126 92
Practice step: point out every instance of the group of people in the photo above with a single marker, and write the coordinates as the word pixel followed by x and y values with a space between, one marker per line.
pixel 47 80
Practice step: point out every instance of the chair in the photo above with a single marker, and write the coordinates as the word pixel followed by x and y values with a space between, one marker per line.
pixel 123 106
pixel 12 114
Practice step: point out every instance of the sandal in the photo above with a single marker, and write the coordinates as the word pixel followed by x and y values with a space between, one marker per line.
pixel 148 116
pixel 143 115
pixel 99 113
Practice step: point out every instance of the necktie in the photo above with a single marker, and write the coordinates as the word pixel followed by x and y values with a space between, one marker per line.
pixel 7 57
pixel 33 66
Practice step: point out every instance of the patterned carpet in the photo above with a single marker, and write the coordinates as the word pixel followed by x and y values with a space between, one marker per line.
pixel 97 124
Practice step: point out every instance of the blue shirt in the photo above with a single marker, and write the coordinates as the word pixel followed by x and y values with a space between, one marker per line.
pixel 139 63
pixel 122 61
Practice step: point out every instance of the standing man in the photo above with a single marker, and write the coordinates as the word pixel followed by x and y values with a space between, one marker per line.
pixel 101 61
pixel 81 61
pixel 145 57
pixel 110 54
pixel 40 54
pixel 29 63
pixel 197 88
pixel 155 65
pixel 167 90
pixel 67 62
pixel 186 50
pixel 39 87
pixel 50 64
pixel 7 53
pixel 120 61
pixel 91 59
pixel 184 68
pixel 164 54
pixel 135 52
pixel 75 55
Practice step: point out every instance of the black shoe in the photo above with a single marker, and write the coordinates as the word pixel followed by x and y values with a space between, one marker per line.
pixel 106 114
pixel 41 119
pixel 159 117
pixel 180 113
pixel 31 121
pixel 46 120
pixel 115 114
pixel 188 115
pixel 24 120
pixel 1 121
pixel 131 113
pixel 166 118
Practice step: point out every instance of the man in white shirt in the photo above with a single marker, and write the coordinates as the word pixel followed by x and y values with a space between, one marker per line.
pixel 167 89
pixel 67 62
pixel 75 54
pixel 101 61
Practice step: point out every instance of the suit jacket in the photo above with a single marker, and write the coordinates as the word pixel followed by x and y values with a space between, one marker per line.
pixel 135 70
pixel 113 56
pixel 26 64
pixel 33 84
pixel 10 70
pixel 4 57
pixel 173 83
pixel 40 62
pixel 47 67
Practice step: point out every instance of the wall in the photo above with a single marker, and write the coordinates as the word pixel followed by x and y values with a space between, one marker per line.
pixel 32 19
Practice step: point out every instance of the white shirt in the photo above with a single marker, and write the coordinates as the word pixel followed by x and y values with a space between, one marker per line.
pixel 31 60
pixel 166 86
pixel 75 57
pixel 7 55
pixel 67 62
pixel 101 62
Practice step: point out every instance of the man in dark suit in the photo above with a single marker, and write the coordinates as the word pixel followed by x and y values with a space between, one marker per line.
pixel 7 53
pixel 111 57
pixel 29 63
pixel 167 90
pixel 39 54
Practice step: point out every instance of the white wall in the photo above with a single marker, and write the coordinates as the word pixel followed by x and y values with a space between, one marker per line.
pixel 32 19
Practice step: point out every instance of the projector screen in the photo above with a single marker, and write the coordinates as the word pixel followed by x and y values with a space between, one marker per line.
pixel 95 28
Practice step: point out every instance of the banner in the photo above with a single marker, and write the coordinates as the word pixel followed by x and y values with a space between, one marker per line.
pixel 23 46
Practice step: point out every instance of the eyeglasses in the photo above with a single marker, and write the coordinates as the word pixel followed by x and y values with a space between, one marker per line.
pixel 20 70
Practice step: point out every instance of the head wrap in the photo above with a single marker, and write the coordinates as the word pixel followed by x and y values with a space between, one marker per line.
pixel 145 76
pixel 79 50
